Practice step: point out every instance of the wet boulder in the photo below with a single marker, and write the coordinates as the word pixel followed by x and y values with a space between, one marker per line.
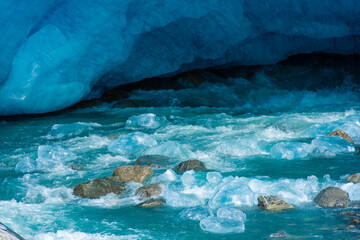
pixel 153 161
pixel 152 203
pixel 279 234
pixel 342 134
pixel 149 191
pixel 332 197
pixel 273 203
pixel 130 173
pixel 99 187
pixel 195 165
pixel 354 178
pixel 8 234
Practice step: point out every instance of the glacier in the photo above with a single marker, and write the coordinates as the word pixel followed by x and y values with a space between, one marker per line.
pixel 62 51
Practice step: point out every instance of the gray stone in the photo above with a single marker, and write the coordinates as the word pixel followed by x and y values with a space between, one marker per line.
pixel 130 173
pixel 152 203
pixel 332 197
pixel 273 203
pixel 149 191
pixel 195 165
pixel 8 234
pixel 99 187
pixel 153 161
pixel 342 134
pixel 354 178
pixel 279 234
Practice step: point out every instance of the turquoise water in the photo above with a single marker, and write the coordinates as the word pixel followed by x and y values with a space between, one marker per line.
pixel 256 138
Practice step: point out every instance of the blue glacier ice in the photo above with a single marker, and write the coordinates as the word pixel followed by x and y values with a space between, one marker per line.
pixel 227 220
pixel 132 142
pixel 64 51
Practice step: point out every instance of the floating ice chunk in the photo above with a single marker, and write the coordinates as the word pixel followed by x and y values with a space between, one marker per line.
pixel 69 130
pixel 235 193
pixel 214 177
pixel 177 199
pixel 290 150
pixel 131 142
pixel 49 158
pixel 321 146
pixel 196 213
pixel 148 120
pixel 188 178
pixel 240 147
pixel 228 220
pixel 171 149
pixel 330 146
pixel 52 156
pixel 26 165
pixel 168 176
pixel 231 213
pixel 353 189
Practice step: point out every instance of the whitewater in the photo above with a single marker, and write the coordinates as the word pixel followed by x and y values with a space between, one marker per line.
pixel 256 136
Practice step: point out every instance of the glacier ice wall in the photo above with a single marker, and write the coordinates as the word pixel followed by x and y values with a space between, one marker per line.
pixel 54 53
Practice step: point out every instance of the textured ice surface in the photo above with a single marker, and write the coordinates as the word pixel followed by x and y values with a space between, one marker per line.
pixel 69 130
pixel 132 142
pixel 48 158
pixel 196 213
pixel 321 146
pixel 148 120
pixel 55 54
pixel 227 220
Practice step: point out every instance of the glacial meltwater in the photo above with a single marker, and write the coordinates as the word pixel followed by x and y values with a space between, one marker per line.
pixel 258 137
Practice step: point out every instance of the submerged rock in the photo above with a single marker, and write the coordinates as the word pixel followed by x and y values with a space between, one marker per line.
pixel 351 213
pixel 273 203
pixel 153 161
pixel 279 234
pixel 152 203
pixel 149 191
pixel 195 165
pixel 355 220
pixel 8 234
pixel 129 173
pixel 332 197
pixel 355 178
pixel 99 187
pixel 342 134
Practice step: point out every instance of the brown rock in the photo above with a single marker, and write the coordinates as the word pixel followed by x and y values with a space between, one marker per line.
pixel 273 203
pixel 341 134
pixel 148 191
pixel 130 173
pixel 350 226
pixel 355 220
pixel 350 213
pixel 99 187
pixel 354 178
pixel 332 197
pixel 152 203
pixel 195 165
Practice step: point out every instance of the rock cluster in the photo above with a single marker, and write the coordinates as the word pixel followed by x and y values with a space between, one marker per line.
pixel 139 172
